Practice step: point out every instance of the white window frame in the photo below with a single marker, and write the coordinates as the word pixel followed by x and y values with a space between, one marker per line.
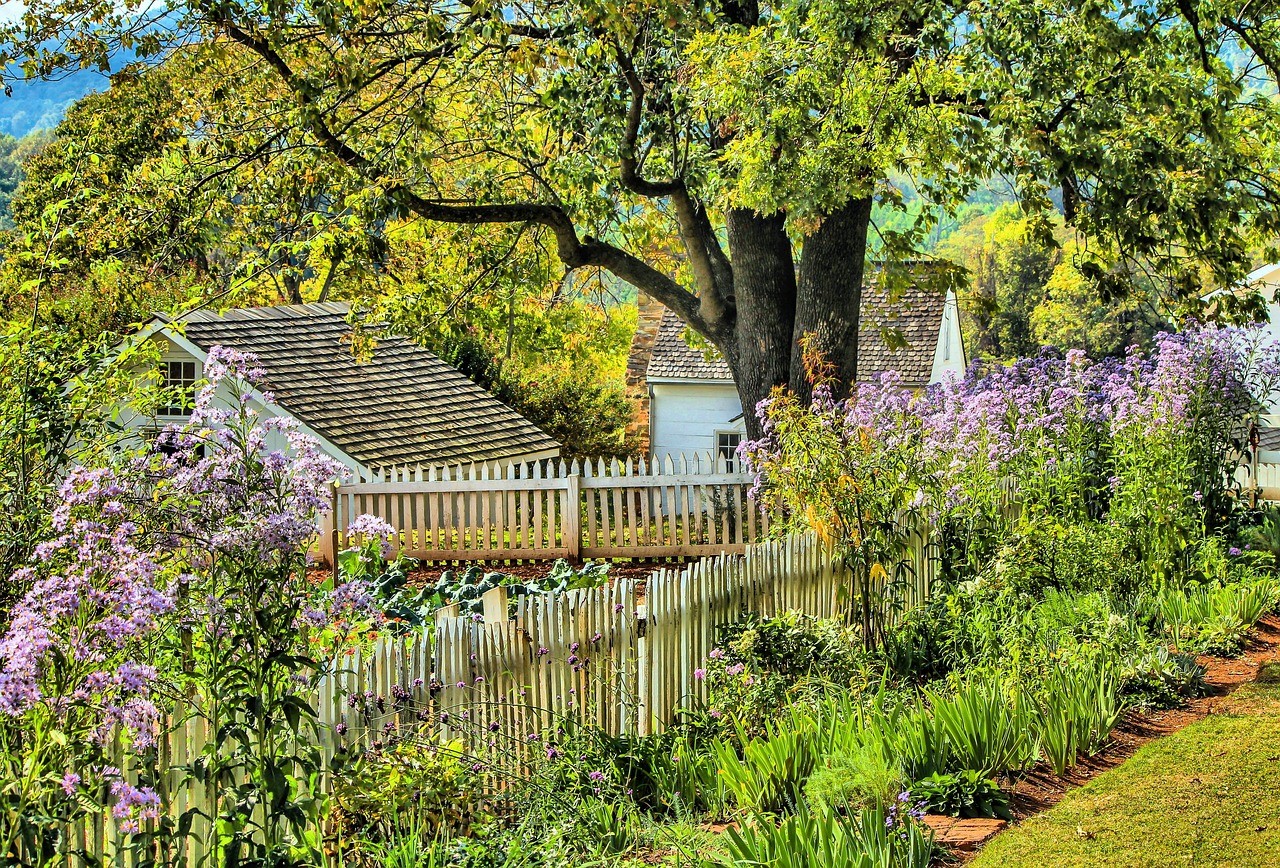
pixel 165 361
pixel 731 460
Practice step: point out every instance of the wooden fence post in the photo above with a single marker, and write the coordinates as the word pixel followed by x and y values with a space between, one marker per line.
pixel 572 527
pixel 494 602
pixel 329 534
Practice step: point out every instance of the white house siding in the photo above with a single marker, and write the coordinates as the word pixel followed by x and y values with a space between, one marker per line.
pixel 225 398
pixel 948 356
pixel 686 416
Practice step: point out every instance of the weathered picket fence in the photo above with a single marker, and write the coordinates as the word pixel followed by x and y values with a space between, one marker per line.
pixel 686 507
pixel 623 656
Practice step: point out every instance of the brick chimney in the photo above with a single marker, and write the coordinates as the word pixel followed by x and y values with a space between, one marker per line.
pixel 647 322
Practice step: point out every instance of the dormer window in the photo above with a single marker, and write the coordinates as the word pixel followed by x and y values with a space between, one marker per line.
pixel 178 378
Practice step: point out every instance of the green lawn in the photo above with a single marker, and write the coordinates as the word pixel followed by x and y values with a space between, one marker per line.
pixel 1206 795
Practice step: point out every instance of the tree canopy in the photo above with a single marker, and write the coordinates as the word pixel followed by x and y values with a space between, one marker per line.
pixel 728 157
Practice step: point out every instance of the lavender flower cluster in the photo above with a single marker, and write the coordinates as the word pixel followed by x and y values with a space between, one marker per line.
pixel 1040 419
pixel 136 546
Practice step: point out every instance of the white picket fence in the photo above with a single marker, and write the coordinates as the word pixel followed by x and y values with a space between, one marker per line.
pixel 622 656
pixel 1266 477
pixel 686 507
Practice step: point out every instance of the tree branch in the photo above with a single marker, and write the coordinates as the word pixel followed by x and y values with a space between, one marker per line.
pixel 711 269
pixel 572 251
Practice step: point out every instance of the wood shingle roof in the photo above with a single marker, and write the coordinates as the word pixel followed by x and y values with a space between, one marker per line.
pixel 898 334
pixel 402 406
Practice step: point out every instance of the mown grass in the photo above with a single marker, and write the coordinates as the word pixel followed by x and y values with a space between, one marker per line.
pixel 1208 795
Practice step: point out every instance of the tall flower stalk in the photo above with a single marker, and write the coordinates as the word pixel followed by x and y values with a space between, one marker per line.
pixel 175 591
pixel 1151 442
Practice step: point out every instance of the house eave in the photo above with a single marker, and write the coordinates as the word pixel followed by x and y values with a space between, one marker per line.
pixel 704 381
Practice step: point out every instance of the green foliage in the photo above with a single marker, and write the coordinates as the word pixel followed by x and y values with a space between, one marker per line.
pixel 964 794
pixel 589 417
pixel 765 774
pixel 988 725
pixel 794 646
pixel 862 778
pixel 1209 617
pixel 1161 679
pixel 407 790
pixel 1025 292
pixel 1265 536
pixel 827 839
pixel 54 413
pixel 467 587
pixel 1079 705
pixel 667 774
pixel 760 665
pixel 1077 557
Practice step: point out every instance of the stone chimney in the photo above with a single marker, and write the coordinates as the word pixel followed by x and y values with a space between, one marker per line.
pixel 647 323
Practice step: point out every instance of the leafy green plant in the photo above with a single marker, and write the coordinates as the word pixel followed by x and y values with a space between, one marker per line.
pixel 761 666
pixel 765 774
pixel 426 787
pixel 408 845
pixel 987 722
pixel 1048 553
pixel 963 794
pixel 873 838
pixel 607 827
pixel 1160 678
pixel 908 734
pixel 466 588
pixel 860 779
pixel 1079 705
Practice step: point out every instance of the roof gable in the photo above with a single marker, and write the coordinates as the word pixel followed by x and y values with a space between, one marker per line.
pixel 915 317
pixel 403 406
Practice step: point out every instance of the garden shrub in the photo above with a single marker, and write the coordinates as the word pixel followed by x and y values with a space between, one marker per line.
pixel 758 666
pixel 766 774
pixel 1159 679
pixel 988 724
pixel 1211 618
pixel 862 778
pixel 1079 704
pixel 665 773
pixel 429 788
pixel 963 794
pixel 795 646
pixel 1074 557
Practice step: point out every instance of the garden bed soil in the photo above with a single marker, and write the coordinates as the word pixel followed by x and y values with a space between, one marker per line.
pixel 1041 789
pixel 429 574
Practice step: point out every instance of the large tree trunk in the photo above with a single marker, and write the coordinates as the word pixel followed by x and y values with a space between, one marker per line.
pixel 829 297
pixel 764 286
pixel 775 309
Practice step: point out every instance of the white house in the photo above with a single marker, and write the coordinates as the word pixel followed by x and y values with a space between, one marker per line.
pixel 690 404
pixel 400 406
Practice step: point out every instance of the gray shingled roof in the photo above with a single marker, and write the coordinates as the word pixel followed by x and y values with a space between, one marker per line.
pixel 915 317
pixel 403 406
pixel 673 357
